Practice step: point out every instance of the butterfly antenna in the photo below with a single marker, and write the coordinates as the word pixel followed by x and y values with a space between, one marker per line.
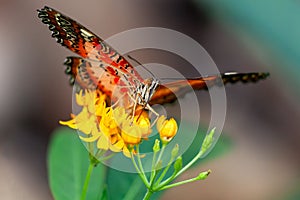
pixel 175 79
pixel 141 65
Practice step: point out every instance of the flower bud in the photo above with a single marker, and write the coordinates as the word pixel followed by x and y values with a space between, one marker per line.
pixel 167 128
pixel 144 124
pixel 208 140
pixel 203 175
pixel 156 146
pixel 178 164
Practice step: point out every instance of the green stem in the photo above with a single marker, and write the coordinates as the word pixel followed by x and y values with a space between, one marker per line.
pixel 165 171
pixel 153 170
pixel 175 175
pixel 142 175
pixel 140 161
pixel 179 183
pixel 148 195
pixel 87 180
pixel 165 182
pixel 161 153
pixel 189 164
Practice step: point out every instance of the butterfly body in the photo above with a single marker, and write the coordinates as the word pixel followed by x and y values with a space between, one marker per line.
pixel 102 68
pixel 146 90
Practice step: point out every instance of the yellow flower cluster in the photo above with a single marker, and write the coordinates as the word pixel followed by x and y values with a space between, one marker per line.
pixel 113 128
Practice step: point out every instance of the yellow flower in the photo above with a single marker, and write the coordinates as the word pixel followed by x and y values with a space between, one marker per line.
pixel 111 129
pixel 131 134
pixel 88 119
pixel 167 128
pixel 143 124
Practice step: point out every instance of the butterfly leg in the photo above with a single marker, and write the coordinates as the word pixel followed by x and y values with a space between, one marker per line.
pixel 134 108
pixel 123 95
pixel 115 103
pixel 134 99
pixel 148 107
pixel 154 112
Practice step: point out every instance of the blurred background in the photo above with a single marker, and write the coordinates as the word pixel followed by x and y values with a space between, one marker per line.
pixel 262 119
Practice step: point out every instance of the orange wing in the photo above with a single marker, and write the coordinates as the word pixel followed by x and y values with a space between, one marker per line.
pixel 169 92
pixel 90 47
pixel 91 75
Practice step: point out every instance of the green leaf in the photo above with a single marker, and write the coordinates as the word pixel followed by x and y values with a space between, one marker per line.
pixel 104 194
pixel 68 162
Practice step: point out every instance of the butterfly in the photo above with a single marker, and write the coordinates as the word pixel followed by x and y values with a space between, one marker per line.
pixel 99 66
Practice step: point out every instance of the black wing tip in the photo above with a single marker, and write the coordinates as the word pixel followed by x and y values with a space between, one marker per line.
pixel 266 74
pixel 44 9
pixel 43 12
pixel 43 15
pixel 233 77
pixel 262 75
pixel 46 18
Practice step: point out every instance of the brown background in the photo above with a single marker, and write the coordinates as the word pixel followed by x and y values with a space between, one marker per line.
pixel 262 119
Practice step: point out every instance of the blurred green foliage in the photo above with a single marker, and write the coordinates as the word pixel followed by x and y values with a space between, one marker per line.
pixel 272 27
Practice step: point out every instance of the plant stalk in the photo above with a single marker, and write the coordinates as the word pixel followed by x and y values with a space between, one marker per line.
pixel 148 195
pixel 87 181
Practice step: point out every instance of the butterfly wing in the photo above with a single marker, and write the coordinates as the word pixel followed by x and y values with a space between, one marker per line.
pixel 86 44
pixel 101 66
pixel 90 75
pixel 169 92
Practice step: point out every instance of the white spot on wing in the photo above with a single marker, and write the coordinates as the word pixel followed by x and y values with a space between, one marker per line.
pixel 86 33
pixel 230 73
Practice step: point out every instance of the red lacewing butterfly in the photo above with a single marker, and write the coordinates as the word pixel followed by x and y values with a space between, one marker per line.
pixel 100 66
